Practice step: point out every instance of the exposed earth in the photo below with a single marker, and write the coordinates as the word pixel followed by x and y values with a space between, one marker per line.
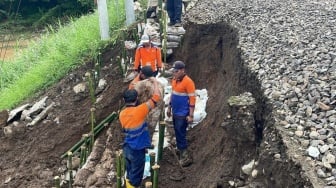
pixel 32 156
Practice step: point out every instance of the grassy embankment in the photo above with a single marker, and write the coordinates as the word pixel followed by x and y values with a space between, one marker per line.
pixel 59 51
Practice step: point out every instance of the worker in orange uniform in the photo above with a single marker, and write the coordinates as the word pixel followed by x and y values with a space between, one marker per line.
pixel 147 54
pixel 137 137
pixel 145 72
pixel 181 106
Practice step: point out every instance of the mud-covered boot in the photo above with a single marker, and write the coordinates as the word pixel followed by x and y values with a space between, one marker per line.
pixel 185 158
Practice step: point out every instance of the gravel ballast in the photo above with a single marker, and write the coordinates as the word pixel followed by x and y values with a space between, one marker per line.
pixel 291 47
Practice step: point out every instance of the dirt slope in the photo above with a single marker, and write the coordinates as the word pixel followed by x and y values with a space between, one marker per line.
pixel 31 158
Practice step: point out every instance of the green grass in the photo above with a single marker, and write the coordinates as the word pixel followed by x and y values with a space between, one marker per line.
pixel 56 53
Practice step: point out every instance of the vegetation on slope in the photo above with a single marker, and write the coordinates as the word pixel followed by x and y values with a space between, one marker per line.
pixel 55 54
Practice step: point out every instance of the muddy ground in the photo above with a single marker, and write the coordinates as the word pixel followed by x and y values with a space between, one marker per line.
pixel 31 157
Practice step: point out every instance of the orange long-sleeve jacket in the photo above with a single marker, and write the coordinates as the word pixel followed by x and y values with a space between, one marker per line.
pixel 133 122
pixel 148 56
pixel 183 96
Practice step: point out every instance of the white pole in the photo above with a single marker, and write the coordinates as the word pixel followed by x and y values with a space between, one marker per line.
pixel 129 8
pixel 103 20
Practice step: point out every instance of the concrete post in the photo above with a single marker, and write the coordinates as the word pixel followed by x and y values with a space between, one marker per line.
pixel 103 20
pixel 129 9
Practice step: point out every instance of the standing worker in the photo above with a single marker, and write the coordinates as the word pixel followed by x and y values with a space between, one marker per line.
pixel 181 106
pixel 147 54
pixel 174 9
pixel 137 138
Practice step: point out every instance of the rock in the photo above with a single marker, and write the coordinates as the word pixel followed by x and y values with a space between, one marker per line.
pixel 320 173
pixel 277 156
pixel 314 135
pixel 299 133
pixel 231 183
pixel 101 85
pixel 42 115
pixel 247 169
pixel 323 106
pixel 329 158
pixel 313 151
pixel 35 109
pixel 14 129
pixel 331 140
pixel 80 88
pixel 16 111
pixel 324 148
pixel 305 143
pixel 254 173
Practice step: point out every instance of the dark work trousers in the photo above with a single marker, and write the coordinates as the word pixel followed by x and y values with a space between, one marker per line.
pixel 180 127
pixel 174 9
pixel 135 164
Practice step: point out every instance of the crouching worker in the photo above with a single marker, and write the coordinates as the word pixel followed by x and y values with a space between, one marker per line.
pixel 145 73
pixel 137 137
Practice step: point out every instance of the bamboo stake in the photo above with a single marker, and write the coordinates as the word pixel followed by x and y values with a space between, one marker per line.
pixel 162 126
pixel 57 181
pixel 164 19
pixel 152 156
pixel 160 9
pixel 89 144
pixel 70 168
pixel 92 127
pixel 123 163
pixel 156 176
pixel 118 158
pixel 85 144
pixel 148 184
pixel 92 88
pixel 123 54
pixel 120 61
pixel 160 16
pixel 82 156
pixel 135 35
pixel 98 66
